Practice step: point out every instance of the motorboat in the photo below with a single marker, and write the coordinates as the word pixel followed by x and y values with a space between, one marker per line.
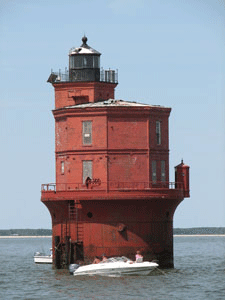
pixel 40 258
pixel 117 266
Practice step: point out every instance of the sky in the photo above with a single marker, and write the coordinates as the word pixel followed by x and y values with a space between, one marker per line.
pixel 169 53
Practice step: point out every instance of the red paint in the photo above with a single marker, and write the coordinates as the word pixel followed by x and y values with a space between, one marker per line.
pixel 182 176
pixel 73 93
pixel 127 210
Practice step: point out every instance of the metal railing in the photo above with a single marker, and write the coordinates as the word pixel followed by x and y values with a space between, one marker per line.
pixel 105 76
pixel 111 186
pixel 59 76
pixel 109 75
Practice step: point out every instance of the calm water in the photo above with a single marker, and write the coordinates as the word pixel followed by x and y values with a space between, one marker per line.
pixel 199 274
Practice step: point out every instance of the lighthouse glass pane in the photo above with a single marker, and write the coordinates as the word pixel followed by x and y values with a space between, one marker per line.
pixel 158 132
pixel 71 62
pixel 96 62
pixel 163 170
pixel 154 176
pixel 88 62
pixel 75 61
pixel 79 62
pixel 87 169
pixel 87 133
pixel 85 62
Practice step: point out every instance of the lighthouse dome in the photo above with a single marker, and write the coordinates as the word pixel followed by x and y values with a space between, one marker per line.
pixel 83 49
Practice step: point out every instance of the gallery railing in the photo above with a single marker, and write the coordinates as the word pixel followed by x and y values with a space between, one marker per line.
pixel 96 184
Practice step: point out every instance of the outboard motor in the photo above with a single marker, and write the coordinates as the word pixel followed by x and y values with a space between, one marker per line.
pixel 73 267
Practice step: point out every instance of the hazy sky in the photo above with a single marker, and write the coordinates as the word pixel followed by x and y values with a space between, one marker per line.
pixel 169 53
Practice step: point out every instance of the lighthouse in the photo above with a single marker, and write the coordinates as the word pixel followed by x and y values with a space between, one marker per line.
pixel 112 193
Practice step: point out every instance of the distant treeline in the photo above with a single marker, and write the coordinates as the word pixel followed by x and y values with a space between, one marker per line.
pixel 200 230
pixel 26 232
pixel 48 232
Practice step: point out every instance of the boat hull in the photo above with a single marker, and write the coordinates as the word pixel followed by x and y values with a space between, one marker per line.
pixel 43 259
pixel 117 269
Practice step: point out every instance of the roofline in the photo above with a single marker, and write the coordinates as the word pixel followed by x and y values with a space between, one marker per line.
pixel 105 110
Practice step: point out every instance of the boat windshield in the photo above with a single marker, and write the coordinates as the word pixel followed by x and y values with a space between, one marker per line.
pixel 117 259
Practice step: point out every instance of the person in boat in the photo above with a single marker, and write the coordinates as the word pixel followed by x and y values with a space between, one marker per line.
pixel 96 260
pixel 138 257
pixel 104 258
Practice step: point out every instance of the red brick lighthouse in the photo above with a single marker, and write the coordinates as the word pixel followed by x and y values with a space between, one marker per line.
pixel 112 193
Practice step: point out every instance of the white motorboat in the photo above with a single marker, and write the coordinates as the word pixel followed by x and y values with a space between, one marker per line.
pixel 40 258
pixel 117 266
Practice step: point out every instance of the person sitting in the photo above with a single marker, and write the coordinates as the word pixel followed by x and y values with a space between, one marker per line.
pixel 96 260
pixel 88 182
pixel 138 257
pixel 104 258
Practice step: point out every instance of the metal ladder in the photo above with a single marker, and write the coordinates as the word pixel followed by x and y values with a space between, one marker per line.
pixel 74 207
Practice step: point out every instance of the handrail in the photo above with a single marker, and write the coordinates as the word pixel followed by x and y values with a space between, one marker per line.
pixel 105 76
pixel 112 186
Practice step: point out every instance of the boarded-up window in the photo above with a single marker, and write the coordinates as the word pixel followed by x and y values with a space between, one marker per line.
pixel 158 132
pixel 163 170
pixel 87 169
pixel 87 133
pixel 154 175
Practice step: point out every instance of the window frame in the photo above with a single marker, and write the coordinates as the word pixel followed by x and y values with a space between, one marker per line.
pixel 158 132
pixel 87 133
pixel 163 171
pixel 154 171
pixel 88 173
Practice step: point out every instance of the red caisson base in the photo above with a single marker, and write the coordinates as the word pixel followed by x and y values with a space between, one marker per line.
pixel 113 223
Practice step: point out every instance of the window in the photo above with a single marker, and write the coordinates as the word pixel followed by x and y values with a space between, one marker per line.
pixel 62 167
pixel 154 177
pixel 87 133
pixel 96 62
pixel 163 171
pixel 84 61
pixel 158 132
pixel 87 169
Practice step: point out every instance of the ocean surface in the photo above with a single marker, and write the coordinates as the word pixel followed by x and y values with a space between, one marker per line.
pixel 199 273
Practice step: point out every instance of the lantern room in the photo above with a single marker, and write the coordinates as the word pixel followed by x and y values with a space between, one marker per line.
pixel 84 63
pixel 84 81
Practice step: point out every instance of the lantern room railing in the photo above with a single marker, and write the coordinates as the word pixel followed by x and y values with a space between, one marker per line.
pixel 111 186
pixel 109 75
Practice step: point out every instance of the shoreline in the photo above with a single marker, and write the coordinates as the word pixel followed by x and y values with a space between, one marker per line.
pixel 197 235
pixel 24 236
pixel 49 236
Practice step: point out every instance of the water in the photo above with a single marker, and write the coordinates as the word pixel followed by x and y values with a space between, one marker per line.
pixel 199 274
